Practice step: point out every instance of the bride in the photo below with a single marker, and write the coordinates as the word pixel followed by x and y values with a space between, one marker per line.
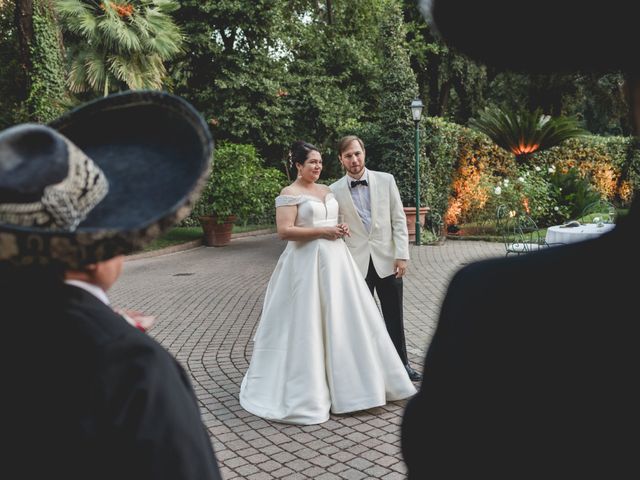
pixel 321 345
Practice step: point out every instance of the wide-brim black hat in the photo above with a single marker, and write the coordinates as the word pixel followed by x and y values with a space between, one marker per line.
pixel 539 37
pixel 145 155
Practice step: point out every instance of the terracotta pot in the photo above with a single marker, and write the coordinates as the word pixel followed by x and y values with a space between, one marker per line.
pixel 217 234
pixel 410 213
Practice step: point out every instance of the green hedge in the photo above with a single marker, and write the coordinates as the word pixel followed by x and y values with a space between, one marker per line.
pixel 453 151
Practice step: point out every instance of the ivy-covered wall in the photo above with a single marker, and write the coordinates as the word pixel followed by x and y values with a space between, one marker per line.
pixel 45 100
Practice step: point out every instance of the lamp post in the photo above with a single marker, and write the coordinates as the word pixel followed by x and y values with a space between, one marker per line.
pixel 416 113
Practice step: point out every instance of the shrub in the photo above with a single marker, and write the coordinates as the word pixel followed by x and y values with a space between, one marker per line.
pixel 523 133
pixel 238 185
pixel 608 165
pixel 575 192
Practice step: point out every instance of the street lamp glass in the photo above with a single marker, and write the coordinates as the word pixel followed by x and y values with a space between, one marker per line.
pixel 416 109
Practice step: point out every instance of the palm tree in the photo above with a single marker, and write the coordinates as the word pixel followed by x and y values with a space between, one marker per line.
pixel 523 133
pixel 119 43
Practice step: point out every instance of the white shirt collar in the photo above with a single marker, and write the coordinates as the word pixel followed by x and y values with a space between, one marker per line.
pixel 365 176
pixel 94 290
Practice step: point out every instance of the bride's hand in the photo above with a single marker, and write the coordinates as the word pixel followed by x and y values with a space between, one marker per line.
pixel 345 229
pixel 332 233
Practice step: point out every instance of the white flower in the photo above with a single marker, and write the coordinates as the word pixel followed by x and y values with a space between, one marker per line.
pixel 556 208
pixel 552 169
pixel 497 190
pixel 537 168
pixel 521 179
pixel 506 181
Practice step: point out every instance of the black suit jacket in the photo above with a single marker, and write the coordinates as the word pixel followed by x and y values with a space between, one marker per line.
pixel 88 396
pixel 533 369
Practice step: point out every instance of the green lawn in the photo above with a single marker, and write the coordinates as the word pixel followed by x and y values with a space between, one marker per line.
pixel 179 235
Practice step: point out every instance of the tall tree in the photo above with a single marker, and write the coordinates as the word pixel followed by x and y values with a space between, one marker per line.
pixel 391 145
pixel 603 108
pixel 594 98
pixel 114 45
pixel 32 70
pixel 233 69
pixel 24 33
pixel 272 71
pixel 336 71
pixel 13 89
pixel 451 85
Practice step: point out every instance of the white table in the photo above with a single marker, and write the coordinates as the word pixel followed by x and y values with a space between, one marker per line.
pixel 562 234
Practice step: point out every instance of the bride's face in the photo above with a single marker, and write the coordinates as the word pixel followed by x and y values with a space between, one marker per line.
pixel 311 168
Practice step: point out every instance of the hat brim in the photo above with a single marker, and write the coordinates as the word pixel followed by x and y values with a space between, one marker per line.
pixel 155 150
pixel 538 37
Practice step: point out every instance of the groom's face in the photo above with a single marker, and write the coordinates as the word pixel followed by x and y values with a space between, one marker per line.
pixel 352 159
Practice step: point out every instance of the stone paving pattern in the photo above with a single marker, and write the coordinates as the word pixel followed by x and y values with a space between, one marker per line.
pixel 207 302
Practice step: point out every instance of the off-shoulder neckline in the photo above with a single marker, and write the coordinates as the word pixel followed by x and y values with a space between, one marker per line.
pixel 312 197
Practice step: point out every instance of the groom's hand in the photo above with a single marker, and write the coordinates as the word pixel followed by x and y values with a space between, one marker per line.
pixel 400 267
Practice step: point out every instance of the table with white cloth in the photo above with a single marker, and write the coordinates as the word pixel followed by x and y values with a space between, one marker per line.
pixel 568 234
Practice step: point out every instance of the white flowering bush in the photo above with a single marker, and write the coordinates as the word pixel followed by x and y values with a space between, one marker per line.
pixel 530 191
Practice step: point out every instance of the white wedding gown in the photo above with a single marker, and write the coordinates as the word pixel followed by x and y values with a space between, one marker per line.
pixel 321 344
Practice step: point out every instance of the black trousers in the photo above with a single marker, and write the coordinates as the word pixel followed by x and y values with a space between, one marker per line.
pixel 389 291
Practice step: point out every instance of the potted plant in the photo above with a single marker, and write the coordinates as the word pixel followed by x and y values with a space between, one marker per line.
pixel 410 213
pixel 239 187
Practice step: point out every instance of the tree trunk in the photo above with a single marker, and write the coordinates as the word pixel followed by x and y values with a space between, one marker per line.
pixel 443 101
pixel 433 69
pixel 24 27
pixel 329 12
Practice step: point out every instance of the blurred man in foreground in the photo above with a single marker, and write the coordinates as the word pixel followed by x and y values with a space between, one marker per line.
pixel 531 372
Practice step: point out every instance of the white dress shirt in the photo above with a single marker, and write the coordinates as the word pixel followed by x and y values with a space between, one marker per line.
pixel 361 199
pixel 101 295
pixel 94 290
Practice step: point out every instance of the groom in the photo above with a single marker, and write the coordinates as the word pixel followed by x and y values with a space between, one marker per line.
pixel 379 241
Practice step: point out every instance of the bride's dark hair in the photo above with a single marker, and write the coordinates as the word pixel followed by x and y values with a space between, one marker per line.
pixel 299 152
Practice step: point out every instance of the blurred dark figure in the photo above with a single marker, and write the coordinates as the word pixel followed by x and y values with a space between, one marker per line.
pixel 87 394
pixel 531 372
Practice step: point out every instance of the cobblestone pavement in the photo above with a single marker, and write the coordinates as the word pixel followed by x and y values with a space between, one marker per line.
pixel 207 302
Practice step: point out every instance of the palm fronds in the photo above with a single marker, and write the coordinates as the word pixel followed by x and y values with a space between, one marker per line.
pixel 523 133
pixel 119 42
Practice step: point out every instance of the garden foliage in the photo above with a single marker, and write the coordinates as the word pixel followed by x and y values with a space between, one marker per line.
pixel 523 132
pixel 389 138
pixel 239 184
pixel 46 98
pixel 113 45
pixel 476 176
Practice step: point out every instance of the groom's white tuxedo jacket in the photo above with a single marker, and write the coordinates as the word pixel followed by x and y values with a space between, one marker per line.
pixel 388 239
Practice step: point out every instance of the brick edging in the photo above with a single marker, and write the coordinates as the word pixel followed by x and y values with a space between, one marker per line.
pixel 194 244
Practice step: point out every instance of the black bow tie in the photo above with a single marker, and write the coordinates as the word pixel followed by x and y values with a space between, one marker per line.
pixel 355 183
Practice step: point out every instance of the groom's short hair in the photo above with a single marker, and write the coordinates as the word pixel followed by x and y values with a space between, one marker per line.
pixel 346 141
